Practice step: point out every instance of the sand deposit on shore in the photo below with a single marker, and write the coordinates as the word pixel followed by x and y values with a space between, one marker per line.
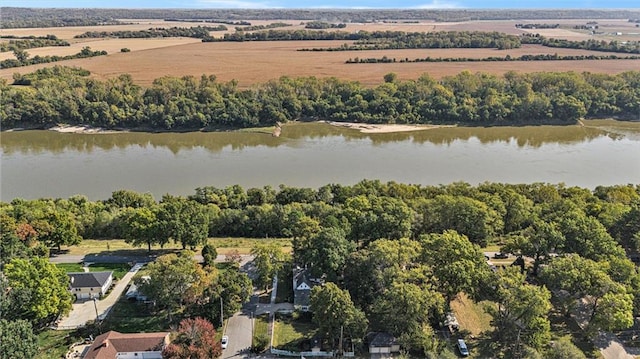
pixel 385 128
pixel 80 129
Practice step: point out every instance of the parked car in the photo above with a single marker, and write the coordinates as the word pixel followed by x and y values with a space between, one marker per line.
pixel 462 347
pixel 501 255
pixel 225 342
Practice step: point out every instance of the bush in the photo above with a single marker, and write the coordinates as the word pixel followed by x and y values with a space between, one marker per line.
pixel 125 49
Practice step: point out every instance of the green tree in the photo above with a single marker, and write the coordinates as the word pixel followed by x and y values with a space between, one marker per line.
pixel 17 340
pixel 521 312
pixel 60 229
pixel 209 254
pixel 609 305
pixel 465 215
pixel 564 349
pixel 37 290
pixel 537 241
pixel 126 198
pixel 326 253
pixel 139 226
pixel 183 221
pixel 174 279
pixel 268 260
pixel 458 265
pixel 195 339
pixel 405 310
pixel 334 311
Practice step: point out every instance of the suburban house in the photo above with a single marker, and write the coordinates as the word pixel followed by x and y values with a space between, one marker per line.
pixel 87 285
pixel 114 345
pixel 382 345
pixel 302 284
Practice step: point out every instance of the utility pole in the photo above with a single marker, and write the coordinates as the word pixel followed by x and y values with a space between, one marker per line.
pixel 221 315
pixel 340 350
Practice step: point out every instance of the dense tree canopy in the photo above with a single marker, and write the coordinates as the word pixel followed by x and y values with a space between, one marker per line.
pixel 34 290
pixel 61 95
pixel 17 340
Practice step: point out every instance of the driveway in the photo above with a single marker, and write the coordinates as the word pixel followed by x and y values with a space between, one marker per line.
pixel 85 311
pixel 240 331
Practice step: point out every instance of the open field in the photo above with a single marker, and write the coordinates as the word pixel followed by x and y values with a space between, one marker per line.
pixel 257 62
pixel 223 246
pixel 111 46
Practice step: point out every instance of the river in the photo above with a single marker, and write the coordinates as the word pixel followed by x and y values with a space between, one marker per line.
pixel 39 164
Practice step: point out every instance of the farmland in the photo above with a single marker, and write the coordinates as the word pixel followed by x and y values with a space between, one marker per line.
pixel 263 61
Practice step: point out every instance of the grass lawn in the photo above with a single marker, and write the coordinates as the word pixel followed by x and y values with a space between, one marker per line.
pixel 290 333
pixel 119 269
pixel 260 328
pixel 70 267
pixel 55 343
pixel 471 316
pixel 120 247
pixel 244 245
pixel 132 317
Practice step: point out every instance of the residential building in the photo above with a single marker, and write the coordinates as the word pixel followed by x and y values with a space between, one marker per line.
pixel 87 285
pixel 115 345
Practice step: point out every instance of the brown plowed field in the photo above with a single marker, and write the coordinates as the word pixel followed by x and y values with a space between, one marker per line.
pixel 255 62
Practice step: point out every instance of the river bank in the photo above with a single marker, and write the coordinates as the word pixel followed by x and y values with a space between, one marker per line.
pixel 362 127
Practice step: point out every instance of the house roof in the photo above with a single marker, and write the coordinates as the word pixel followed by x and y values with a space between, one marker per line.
pixel 382 339
pixel 107 345
pixel 302 284
pixel 90 279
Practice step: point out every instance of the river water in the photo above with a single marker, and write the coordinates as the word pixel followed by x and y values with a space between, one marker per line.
pixel 39 164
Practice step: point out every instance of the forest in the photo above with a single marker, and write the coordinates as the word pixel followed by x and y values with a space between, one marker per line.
pixel 62 95
pixel 13 17
pixel 393 256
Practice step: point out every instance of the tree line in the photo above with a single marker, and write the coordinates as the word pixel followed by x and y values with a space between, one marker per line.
pixel 198 32
pixel 321 25
pixel 393 256
pixel 537 57
pixel 57 95
pixel 23 59
pixel 262 27
pixel 631 47
pixel 30 42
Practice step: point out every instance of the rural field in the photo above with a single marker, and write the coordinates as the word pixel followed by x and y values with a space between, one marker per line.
pixel 256 62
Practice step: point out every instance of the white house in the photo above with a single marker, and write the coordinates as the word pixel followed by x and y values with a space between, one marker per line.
pixel 87 285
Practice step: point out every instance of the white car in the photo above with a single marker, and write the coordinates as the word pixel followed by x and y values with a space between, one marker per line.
pixel 225 342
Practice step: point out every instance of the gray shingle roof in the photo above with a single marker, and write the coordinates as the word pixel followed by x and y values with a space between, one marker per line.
pixel 89 280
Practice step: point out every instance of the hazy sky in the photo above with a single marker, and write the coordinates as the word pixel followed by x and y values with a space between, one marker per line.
pixel 428 4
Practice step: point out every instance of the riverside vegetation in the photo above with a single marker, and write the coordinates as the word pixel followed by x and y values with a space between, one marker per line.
pixel 56 95
pixel 394 255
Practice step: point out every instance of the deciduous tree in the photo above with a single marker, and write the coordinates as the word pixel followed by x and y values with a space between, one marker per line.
pixel 17 340
pixel 195 339
pixel 334 311
pixel 37 290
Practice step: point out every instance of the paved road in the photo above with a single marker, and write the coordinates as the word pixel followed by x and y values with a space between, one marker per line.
pixel 83 312
pixel 239 331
